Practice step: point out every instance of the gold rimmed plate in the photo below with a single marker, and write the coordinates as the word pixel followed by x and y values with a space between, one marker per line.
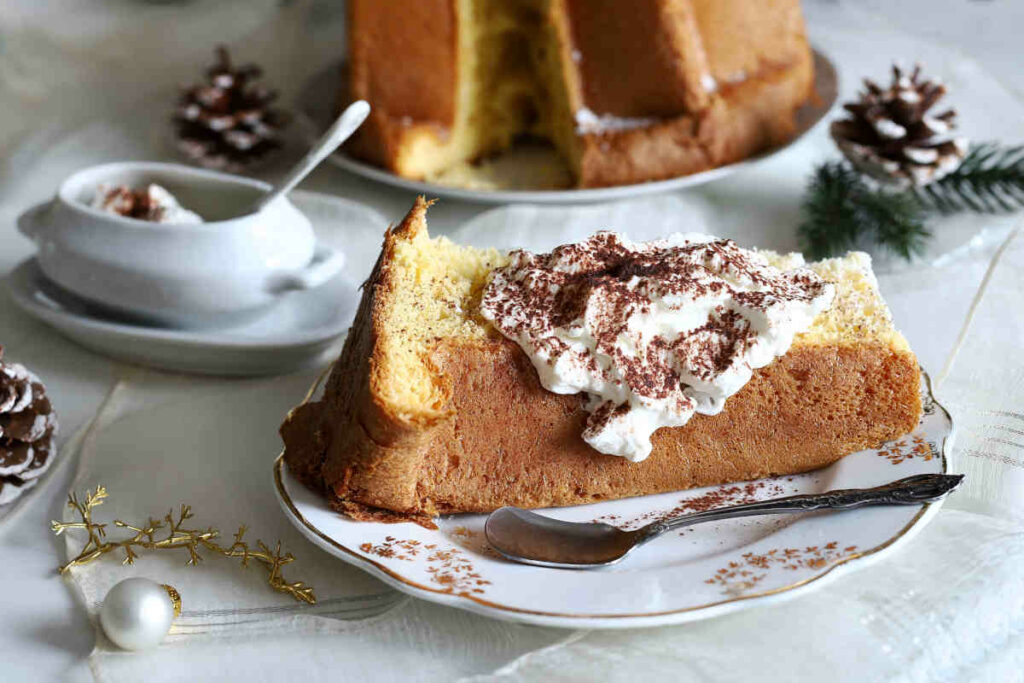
pixel 694 574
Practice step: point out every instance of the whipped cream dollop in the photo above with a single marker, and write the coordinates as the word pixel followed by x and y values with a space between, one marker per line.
pixel 152 203
pixel 652 332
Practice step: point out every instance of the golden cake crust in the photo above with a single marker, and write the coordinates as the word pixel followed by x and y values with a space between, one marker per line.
pixel 741 120
pixel 406 101
pixel 498 438
pixel 636 59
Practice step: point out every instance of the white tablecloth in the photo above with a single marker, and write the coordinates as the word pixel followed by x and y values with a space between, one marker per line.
pixel 86 82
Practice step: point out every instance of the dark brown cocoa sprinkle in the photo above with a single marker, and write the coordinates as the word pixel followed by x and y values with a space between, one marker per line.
pixel 601 284
pixel 132 203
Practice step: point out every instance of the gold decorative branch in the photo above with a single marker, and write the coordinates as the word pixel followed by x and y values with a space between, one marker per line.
pixel 171 533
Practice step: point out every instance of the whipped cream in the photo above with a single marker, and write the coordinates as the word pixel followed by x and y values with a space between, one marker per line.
pixel 153 203
pixel 652 332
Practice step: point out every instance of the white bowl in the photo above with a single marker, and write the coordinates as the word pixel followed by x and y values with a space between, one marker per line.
pixel 229 268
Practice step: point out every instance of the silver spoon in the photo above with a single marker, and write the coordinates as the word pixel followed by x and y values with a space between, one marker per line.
pixel 341 130
pixel 524 536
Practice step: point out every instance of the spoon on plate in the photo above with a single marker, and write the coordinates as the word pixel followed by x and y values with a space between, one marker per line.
pixel 341 130
pixel 529 538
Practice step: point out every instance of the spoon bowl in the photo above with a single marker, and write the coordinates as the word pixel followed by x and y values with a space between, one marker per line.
pixel 524 536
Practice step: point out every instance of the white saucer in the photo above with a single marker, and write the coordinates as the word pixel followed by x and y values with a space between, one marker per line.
pixel 317 112
pixel 304 329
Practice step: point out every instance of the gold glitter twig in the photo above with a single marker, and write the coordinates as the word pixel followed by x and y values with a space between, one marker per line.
pixel 177 536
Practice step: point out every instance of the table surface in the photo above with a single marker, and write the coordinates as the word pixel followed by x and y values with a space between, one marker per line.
pixel 46 633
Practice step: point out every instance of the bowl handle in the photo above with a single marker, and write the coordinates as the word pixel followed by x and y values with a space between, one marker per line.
pixel 326 263
pixel 28 220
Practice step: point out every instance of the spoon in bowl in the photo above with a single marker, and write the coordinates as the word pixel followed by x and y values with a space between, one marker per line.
pixel 341 130
pixel 529 538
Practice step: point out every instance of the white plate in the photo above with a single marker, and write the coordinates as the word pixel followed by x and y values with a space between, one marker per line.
pixel 317 111
pixel 304 329
pixel 694 574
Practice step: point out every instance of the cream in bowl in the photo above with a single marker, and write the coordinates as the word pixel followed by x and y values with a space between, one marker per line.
pixel 173 244
pixel 151 203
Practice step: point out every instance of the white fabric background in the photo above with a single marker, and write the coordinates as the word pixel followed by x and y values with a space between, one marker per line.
pixel 82 82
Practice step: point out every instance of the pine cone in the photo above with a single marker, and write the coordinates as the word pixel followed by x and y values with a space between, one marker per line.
pixel 27 429
pixel 891 137
pixel 227 123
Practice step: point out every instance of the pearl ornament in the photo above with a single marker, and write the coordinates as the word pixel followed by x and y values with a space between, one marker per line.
pixel 137 613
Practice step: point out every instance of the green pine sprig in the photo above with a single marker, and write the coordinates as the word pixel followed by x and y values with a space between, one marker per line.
pixel 842 209
pixel 990 180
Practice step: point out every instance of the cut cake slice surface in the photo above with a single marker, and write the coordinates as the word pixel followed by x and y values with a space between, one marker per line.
pixel 430 410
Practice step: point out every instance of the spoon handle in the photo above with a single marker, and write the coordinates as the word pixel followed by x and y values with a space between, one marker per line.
pixel 341 130
pixel 922 488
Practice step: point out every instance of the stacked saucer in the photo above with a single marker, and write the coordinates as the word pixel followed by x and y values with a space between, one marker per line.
pixel 253 293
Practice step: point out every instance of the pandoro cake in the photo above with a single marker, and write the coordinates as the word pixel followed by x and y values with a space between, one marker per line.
pixel 431 410
pixel 627 91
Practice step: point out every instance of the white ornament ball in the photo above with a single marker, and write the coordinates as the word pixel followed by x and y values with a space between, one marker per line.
pixel 137 613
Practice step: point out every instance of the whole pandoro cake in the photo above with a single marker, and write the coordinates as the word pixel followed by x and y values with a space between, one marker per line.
pixel 473 379
pixel 626 90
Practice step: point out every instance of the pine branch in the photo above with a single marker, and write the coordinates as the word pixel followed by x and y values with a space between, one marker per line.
pixel 842 211
pixel 896 221
pixel 830 223
pixel 990 180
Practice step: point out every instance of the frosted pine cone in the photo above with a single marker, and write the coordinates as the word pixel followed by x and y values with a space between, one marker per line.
pixel 891 136
pixel 228 123
pixel 27 429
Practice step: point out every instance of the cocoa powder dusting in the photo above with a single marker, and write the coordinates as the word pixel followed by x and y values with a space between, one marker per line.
pixel 642 323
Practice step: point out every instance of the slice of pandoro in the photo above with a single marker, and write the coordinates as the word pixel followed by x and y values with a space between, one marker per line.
pixel 429 410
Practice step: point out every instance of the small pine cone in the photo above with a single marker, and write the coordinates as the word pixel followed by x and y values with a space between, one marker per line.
pixel 27 429
pixel 891 137
pixel 227 123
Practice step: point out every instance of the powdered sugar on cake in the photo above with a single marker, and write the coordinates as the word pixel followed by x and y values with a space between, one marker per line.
pixel 652 332
pixel 589 122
